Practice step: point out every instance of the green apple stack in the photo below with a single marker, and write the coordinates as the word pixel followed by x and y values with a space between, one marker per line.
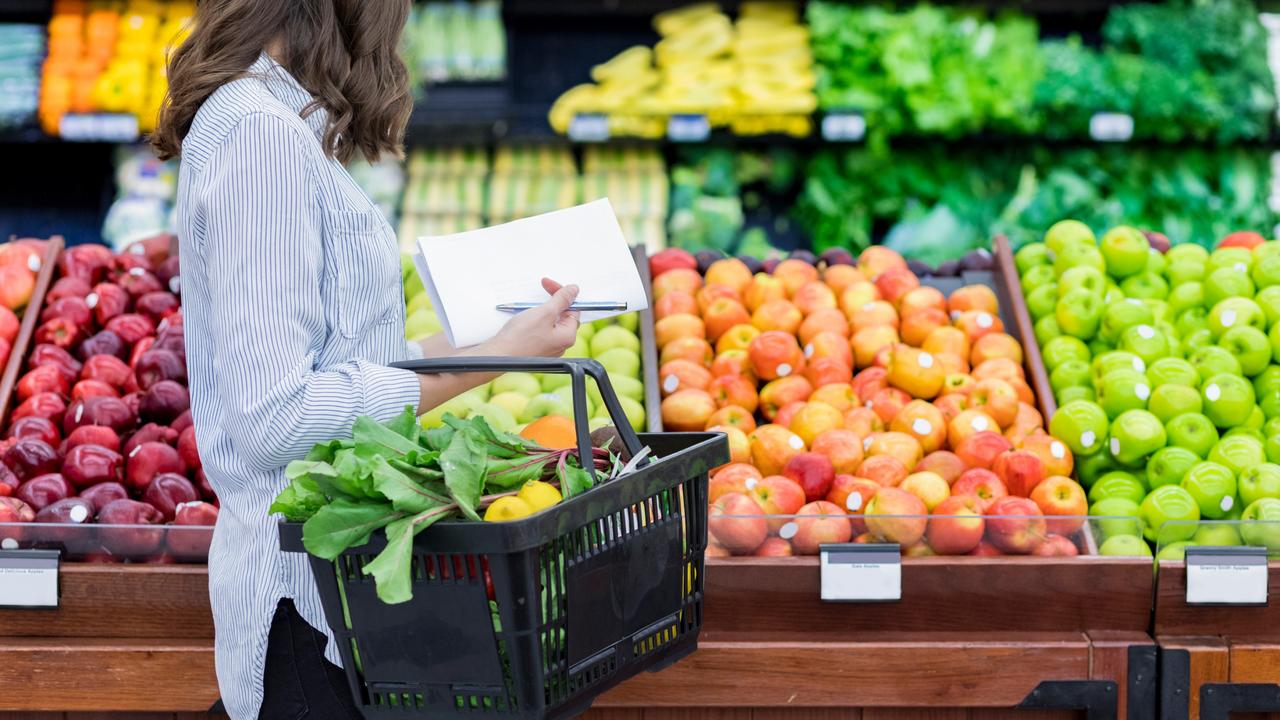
pixel 516 399
pixel 1166 370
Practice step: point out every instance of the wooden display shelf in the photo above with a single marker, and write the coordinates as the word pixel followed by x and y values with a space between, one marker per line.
pixel 1216 662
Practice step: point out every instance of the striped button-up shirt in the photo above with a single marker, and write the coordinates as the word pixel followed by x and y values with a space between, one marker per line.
pixel 293 308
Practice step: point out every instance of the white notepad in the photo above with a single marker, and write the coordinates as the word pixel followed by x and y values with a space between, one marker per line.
pixel 468 274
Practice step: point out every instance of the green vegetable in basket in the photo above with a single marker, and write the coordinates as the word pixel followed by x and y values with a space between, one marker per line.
pixel 398 478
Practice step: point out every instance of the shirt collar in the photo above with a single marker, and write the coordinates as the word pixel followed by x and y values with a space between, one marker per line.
pixel 285 88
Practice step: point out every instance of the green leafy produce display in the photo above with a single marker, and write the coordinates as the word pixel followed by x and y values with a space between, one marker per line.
pixel 713 190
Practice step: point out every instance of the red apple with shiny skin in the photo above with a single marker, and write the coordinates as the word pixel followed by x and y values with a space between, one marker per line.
pixel 1015 525
pixel 813 472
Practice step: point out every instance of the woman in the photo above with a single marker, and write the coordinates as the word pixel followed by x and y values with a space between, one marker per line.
pixel 293 305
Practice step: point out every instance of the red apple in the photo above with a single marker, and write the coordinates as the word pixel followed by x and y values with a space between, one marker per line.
pixel 813 472
pixel 1062 497
pixel 819 523
pixel 1015 525
pixel 773 547
pixel 778 496
pixel 738 523
pixel 1056 546
pixel 956 526
pixel 896 515
pixel 983 485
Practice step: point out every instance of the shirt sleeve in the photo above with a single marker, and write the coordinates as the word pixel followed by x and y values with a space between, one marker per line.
pixel 265 262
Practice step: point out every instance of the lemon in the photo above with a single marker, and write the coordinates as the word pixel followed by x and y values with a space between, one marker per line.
pixel 539 495
pixel 506 509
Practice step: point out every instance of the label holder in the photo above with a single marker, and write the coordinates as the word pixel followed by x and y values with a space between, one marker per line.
pixel 861 572
pixel 1111 127
pixel 1227 576
pixel 30 579
pixel 844 126
pixel 688 127
pixel 589 128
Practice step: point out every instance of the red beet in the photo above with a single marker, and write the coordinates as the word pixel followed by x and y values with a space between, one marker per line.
pixel 164 402
pixel 102 493
pixel 45 405
pixel 130 542
pixel 107 368
pixel 88 465
pixel 92 435
pixel 103 343
pixel 182 422
pixel 159 364
pixel 157 305
pixel 55 356
pixel 35 427
pixel 148 460
pixel 131 327
pixel 43 379
pixel 110 412
pixel 68 287
pixel 44 490
pixel 73 309
pixel 187 449
pixel 108 300
pixel 167 491
pixel 29 458
pixel 59 331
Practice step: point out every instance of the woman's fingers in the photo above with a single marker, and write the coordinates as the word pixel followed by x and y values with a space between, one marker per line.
pixel 561 300
pixel 551 286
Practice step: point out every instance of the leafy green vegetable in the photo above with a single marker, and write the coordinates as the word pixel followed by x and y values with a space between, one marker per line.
pixel 464 464
pixel 342 524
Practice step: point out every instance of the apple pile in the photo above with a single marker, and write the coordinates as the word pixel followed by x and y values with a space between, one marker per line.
pixel 102 431
pixel 20 261
pixel 933 444
pixel 1165 363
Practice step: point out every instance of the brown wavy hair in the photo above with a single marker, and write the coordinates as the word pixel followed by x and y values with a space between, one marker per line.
pixel 344 52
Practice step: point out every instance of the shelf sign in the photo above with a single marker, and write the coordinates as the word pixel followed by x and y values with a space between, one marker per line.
pixel 855 572
pixel 1226 576
pixel 844 127
pixel 29 578
pixel 98 127
pixel 1111 127
pixel 589 128
pixel 688 128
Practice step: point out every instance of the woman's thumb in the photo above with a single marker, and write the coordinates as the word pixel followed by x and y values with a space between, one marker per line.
pixel 562 300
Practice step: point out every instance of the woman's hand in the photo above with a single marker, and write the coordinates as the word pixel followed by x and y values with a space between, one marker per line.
pixel 545 331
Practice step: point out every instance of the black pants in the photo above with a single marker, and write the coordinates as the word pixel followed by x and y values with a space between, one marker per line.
pixel 298 683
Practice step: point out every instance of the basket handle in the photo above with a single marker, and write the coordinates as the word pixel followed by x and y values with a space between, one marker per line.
pixel 576 368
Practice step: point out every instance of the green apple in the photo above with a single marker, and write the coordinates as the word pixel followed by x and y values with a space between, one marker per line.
pixel 1083 277
pixel 553 381
pixel 621 361
pixel 1031 255
pixel 1068 232
pixel 1081 425
pixel 1174 551
pixel 1185 271
pixel 1272 447
pixel 1266 249
pixel 1078 255
pixel 1261 526
pixel 513 402
pixel 1046 329
pixel 634 412
pixel 1268 298
pixel 1260 481
pixel 629 321
pixel 1192 431
pixel 1071 373
pixel 1213 487
pixel 1168 465
pixel 1227 282
pixel 1250 346
pixel 1145 285
pixel 1274 338
pixel 1235 258
pixel 581 348
pixel 1075 392
pixel 1159 310
pixel 1125 250
pixel 1123 315
pixel 544 404
pixel 1114 361
pixel 1146 342
pixel 1113 294
pixel 1191 320
pixel 1169 514
pixel 518 382
pixel 1271 427
pixel 1118 483
pixel 1217 534
pixel 1185 296
pixel 1172 371
pixel 1135 434
pixel 1115 516
pixel 1098 346
pixel 1228 399
pixel 1266 271
pixel 1170 401
pixel 566 394
pixel 422 323
pixel 418 303
pixel 1043 301
pixel 613 336
pixel 497 416
pixel 460 406
pixel 1212 360
pixel 1246 432
pixel 1060 349
pixel 1124 546
pixel 1079 313
pixel 1268 379
pixel 598 422
pixel 587 330
pixel 1092 467
pixel 1122 390
pixel 1269 401
pixel 1257 419
pixel 1235 312
pixel 1189 251
pixel 627 386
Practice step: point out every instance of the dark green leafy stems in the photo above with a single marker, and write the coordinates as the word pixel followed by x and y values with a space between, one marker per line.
pixel 398 477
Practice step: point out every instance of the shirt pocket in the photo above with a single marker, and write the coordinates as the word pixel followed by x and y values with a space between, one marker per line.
pixel 364 269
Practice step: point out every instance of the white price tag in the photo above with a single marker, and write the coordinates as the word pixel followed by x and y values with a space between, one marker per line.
pixel 1111 127
pixel 99 127
pixel 844 127
pixel 1226 576
pixel 854 572
pixel 29 578
pixel 688 128
pixel 589 128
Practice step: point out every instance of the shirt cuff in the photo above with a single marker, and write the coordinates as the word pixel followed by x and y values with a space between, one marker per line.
pixel 413 351
pixel 388 390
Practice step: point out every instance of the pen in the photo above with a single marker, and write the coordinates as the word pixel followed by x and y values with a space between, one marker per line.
pixel 603 306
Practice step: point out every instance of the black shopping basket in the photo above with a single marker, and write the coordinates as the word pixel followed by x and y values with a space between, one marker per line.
pixel 537 617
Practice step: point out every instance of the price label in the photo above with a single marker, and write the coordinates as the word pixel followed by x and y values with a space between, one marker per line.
pixel 688 128
pixel 99 127
pixel 1111 127
pixel 1226 576
pixel 854 572
pixel 844 127
pixel 29 578
pixel 589 128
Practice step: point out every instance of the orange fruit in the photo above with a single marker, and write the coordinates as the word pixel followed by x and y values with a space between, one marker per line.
pixel 555 432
